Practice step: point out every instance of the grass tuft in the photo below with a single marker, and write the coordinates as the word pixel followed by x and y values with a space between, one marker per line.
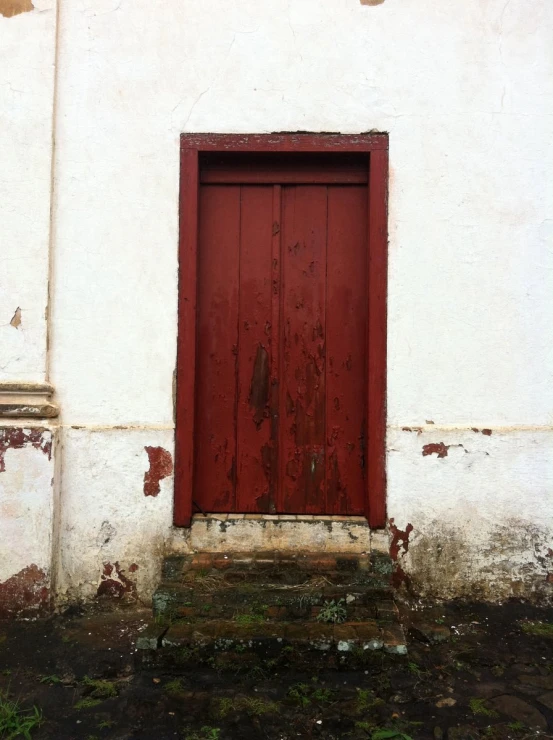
pixel 16 722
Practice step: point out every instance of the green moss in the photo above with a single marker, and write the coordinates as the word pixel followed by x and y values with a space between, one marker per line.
pixel 174 688
pixel 251 705
pixel 247 619
pixel 538 629
pixel 100 689
pixel 305 694
pixel 478 706
pixel 87 703
pixel 206 733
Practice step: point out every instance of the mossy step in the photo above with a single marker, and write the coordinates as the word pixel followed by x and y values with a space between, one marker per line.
pixel 282 567
pixel 211 637
pixel 174 600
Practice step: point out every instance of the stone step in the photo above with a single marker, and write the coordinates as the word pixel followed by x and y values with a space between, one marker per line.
pixel 277 567
pixel 228 644
pixel 224 601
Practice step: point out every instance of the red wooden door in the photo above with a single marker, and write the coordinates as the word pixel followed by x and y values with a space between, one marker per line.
pixel 282 327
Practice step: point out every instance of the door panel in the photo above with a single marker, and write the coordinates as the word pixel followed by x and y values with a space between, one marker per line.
pixel 254 338
pixel 346 338
pixel 281 354
pixel 217 337
pixel 304 216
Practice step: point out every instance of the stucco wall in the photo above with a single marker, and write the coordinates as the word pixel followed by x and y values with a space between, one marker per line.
pixel 27 55
pixel 466 94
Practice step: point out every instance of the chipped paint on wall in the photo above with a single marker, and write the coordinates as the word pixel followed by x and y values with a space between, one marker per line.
pixel 15 438
pixel 9 8
pixel 128 528
pixel 16 319
pixel 480 513
pixel 114 584
pixel 471 536
pixel 26 519
pixel 161 466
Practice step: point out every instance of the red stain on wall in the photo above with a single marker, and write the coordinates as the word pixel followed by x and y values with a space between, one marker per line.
pixel 25 594
pixel 400 539
pixel 400 542
pixel 15 438
pixel 114 584
pixel 161 465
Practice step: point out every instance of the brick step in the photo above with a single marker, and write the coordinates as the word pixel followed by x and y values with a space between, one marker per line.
pixel 227 644
pixel 279 568
pixel 223 601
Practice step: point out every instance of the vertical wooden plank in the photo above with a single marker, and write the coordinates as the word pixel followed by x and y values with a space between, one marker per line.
pixel 217 348
pixel 276 349
pixel 346 349
pixel 186 353
pixel 254 454
pixel 378 279
pixel 302 442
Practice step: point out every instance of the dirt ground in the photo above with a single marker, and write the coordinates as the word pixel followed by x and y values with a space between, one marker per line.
pixel 472 671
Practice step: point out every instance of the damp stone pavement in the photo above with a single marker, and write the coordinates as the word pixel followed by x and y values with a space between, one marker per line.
pixel 470 671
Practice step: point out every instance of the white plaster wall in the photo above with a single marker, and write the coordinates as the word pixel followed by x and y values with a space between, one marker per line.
pixel 482 512
pixel 466 94
pixel 27 46
pixel 105 516
pixel 27 507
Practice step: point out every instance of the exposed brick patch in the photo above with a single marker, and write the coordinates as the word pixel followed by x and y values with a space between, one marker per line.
pixel 15 438
pixel 161 466
pixel 25 594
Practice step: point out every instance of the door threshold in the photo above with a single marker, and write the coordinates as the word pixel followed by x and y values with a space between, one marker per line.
pixel 289 532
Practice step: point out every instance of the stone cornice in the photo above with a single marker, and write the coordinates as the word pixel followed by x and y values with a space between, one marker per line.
pixel 27 400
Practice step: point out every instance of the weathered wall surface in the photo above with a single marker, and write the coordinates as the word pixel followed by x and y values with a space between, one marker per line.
pixel 116 513
pixel 27 498
pixel 27 49
pixel 479 502
pixel 466 95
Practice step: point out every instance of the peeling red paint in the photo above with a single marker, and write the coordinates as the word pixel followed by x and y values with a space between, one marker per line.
pixel 116 585
pixel 161 465
pixel 400 578
pixel 487 432
pixel 439 448
pixel 259 388
pixel 15 438
pixel 400 539
pixel 133 567
pixel 399 543
pixel 25 594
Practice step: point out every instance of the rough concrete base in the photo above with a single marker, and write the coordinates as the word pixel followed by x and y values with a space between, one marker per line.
pixel 251 532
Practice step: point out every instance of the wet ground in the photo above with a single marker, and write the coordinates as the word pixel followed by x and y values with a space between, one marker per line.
pixel 472 671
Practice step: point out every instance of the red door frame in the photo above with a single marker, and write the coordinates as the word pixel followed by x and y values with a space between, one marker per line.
pixel 192 145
